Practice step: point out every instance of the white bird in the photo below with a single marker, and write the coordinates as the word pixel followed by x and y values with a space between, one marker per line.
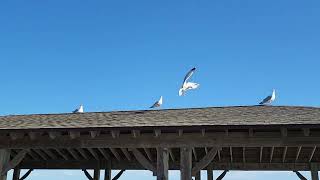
pixel 79 110
pixel 157 104
pixel 269 99
pixel 188 85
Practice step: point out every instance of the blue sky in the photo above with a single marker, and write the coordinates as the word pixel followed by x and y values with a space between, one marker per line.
pixel 122 55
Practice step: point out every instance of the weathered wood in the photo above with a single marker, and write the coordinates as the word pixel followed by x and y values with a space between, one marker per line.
pixel 222 175
pixel 94 134
pixel 284 154
pixel 83 154
pixel 172 155
pixel 284 132
pixel 143 161
pixel 4 159
pixel 231 156
pixel 250 132
pixel 126 153
pixel 87 174
pixel 41 154
pixel 219 156
pixel 64 156
pixel 74 154
pixel 301 177
pixel 244 154
pixel 209 172
pixel 104 153
pixel 180 132
pixel 206 150
pixel 148 153
pixel 16 135
pixel 13 163
pixel 115 153
pixel 203 132
pixel 314 171
pixel 271 154
pixel 16 174
pixel 194 154
pixel 157 132
pixel 96 173
pixel 298 153
pixel 312 153
pixel 261 154
pixel 116 177
pixel 107 171
pixel 50 154
pixel 115 134
pixel 306 131
pixel 135 133
pixel 34 135
pixel 54 135
pixel 185 163
pixel 205 161
pixel 74 134
pixel 26 174
pixel 198 176
pixel 162 163
pixel 93 153
pixel 166 140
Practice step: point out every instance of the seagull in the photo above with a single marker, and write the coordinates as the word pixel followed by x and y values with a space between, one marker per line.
pixel 188 85
pixel 158 103
pixel 79 110
pixel 269 99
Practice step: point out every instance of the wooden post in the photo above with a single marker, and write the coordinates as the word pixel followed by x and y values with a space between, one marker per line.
pixel 210 172
pixel 107 172
pixel 96 173
pixel 198 176
pixel 16 174
pixel 186 163
pixel 162 163
pixel 4 159
pixel 314 172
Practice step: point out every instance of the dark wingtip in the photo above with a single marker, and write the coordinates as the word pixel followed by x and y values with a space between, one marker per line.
pixel 193 69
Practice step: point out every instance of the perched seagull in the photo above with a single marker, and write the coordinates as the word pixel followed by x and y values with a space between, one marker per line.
pixel 157 104
pixel 188 85
pixel 269 99
pixel 79 110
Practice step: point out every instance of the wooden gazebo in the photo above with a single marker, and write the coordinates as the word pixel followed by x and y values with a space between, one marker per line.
pixel 276 138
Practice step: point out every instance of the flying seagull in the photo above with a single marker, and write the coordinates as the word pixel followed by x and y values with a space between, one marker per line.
pixel 157 104
pixel 269 99
pixel 79 110
pixel 188 85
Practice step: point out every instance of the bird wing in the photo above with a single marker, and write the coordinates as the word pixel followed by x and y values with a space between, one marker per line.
pixel 155 105
pixel 75 111
pixel 265 100
pixel 192 85
pixel 188 75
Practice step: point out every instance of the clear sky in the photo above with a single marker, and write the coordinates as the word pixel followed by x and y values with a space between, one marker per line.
pixel 122 55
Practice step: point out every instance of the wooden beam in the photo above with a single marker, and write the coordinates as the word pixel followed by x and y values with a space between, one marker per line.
pixel 135 133
pixel 206 150
pixel 96 173
pixel 219 156
pixel 222 175
pixel 116 177
pixel 115 153
pixel 94 153
pixel 284 154
pixel 74 154
pixel 41 154
pixel 209 172
pixel 74 134
pixel 271 154
pixel 298 153
pixel 13 163
pixel 186 163
pixel 250 132
pixel 194 154
pixel 284 132
pixel 205 161
pixel 107 171
pixel 94 134
pixel 180 132
pixel 126 153
pixel 64 156
pixel 306 131
pixel 87 174
pixel 34 135
pixel 142 160
pixel 115 134
pixel 198 176
pixel 312 153
pixel 50 154
pixel 230 151
pixel 301 177
pixel 171 155
pixel 261 153
pixel 157 133
pixel 83 153
pixel 162 163
pixel 148 153
pixel 244 154
pixel 54 135
pixel 16 174
pixel 203 132
pixel 4 159
pixel 26 174
pixel 104 153
pixel 16 135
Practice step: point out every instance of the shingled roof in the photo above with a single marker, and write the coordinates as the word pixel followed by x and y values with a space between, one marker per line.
pixel 211 116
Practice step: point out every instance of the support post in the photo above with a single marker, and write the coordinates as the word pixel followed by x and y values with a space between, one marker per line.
pixel 162 163
pixel 314 172
pixel 198 176
pixel 222 175
pixel 16 174
pixel 300 176
pixel 186 163
pixel 96 173
pixel 210 172
pixel 4 159
pixel 107 172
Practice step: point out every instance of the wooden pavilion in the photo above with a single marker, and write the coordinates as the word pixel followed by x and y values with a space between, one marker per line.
pixel 276 138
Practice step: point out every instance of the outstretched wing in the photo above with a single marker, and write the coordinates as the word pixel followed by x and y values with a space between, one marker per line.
pixel 267 99
pixel 188 75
